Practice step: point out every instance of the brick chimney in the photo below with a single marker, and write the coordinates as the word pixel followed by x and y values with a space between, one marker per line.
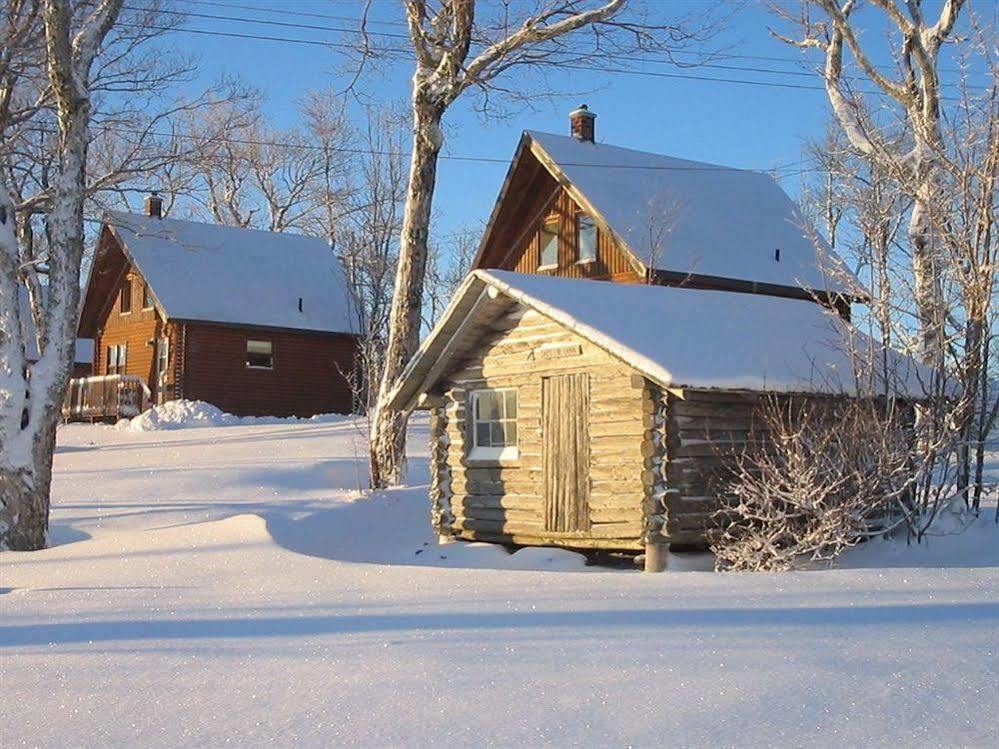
pixel 582 121
pixel 154 204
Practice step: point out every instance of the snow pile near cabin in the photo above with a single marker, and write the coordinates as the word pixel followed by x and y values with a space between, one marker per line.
pixel 188 414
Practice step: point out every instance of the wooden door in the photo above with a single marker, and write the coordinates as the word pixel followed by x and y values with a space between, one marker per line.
pixel 565 419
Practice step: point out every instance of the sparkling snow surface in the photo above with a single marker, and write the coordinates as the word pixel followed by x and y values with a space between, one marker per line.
pixel 227 274
pixel 717 221
pixel 231 585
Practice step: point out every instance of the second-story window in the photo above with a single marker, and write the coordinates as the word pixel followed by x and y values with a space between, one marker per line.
pixel 147 297
pixel 586 238
pixel 126 296
pixel 548 237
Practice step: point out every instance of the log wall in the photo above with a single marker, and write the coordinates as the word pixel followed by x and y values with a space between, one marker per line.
pixel 505 502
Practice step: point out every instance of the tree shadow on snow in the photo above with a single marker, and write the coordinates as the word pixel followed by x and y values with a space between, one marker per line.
pixel 825 619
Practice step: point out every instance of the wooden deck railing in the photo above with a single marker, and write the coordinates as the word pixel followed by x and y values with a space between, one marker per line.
pixel 107 397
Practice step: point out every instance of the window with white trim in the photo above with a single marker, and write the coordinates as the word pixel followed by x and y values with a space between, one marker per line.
pixel 259 355
pixel 117 359
pixel 548 237
pixel 586 238
pixel 494 424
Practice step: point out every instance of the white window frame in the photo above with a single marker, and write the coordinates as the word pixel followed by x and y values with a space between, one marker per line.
pixel 117 358
pixel 162 357
pixel 147 296
pixel 270 345
pixel 581 260
pixel 556 236
pixel 491 452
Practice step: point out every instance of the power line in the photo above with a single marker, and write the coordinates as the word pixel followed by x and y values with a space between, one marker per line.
pixel 603 69
pixel 449 157
pixel 403 25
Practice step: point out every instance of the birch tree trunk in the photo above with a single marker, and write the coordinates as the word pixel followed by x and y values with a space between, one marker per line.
pixel 442 41
pixel 388 430
pixel 30 406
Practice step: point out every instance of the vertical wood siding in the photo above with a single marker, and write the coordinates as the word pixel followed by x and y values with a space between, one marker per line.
pixel 612 263
pixel 505 502
pixel 565 414
pixel 307 379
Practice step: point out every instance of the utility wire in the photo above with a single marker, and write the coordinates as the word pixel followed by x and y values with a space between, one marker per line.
pixel 789 167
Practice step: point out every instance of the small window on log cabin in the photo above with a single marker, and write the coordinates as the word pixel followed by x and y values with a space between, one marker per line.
pixel 125 305
pixel 548 240
pixel 259 355
pixel 494 425
pixel 586 238
pixel 147 297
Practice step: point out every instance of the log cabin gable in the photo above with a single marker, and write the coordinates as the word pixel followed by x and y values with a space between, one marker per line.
pixel 537 203
pixel 103 299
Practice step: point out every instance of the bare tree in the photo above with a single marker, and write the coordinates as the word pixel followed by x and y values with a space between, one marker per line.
pixel 30 406
pixel 816 479
pixel 458 45
pixel 830 26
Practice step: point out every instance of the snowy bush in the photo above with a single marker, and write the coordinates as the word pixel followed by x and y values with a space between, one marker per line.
pixel 818 480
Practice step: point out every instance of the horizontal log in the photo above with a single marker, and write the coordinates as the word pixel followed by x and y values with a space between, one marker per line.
pixel 528 539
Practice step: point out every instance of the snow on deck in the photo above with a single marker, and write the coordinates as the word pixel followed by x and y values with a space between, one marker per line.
pixel 227 274
pixel 231 585
pixel 716 220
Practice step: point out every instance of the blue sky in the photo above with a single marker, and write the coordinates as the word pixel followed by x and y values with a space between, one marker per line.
pixel 742 125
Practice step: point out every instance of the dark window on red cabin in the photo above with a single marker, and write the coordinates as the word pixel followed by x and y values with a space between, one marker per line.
pixel 125 304
pixel 259 355
pixel 147 297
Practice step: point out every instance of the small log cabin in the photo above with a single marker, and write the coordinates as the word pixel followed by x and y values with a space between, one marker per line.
pixel 588 414
pixel 254 322
pixel 625 315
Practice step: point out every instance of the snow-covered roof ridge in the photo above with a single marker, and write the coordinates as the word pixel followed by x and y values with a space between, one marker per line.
pixel 698 218
pixel 225 274
pixel 681 337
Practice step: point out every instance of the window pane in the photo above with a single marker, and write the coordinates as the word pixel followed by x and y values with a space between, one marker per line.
pixel 482 435
pixel 259 354
pixel 126 296
pixel 587 234
pixel 510 432
pixel 549 244
pixel 489 406
pixel 510 410
pixel 496 434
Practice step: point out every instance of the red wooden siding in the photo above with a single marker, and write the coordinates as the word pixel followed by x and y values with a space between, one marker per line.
pixel 307 378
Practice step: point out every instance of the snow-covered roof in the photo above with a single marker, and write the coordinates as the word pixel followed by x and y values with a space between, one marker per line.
pixel 696 218
pixel 676 337
pixel 84 346
pixel 225 274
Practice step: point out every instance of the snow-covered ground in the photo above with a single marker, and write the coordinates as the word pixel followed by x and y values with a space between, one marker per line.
pixel 233 584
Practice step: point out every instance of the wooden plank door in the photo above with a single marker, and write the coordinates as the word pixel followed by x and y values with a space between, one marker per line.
pixel 565 419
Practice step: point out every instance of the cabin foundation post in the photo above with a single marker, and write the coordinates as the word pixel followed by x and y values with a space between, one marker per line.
pixel 655 556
